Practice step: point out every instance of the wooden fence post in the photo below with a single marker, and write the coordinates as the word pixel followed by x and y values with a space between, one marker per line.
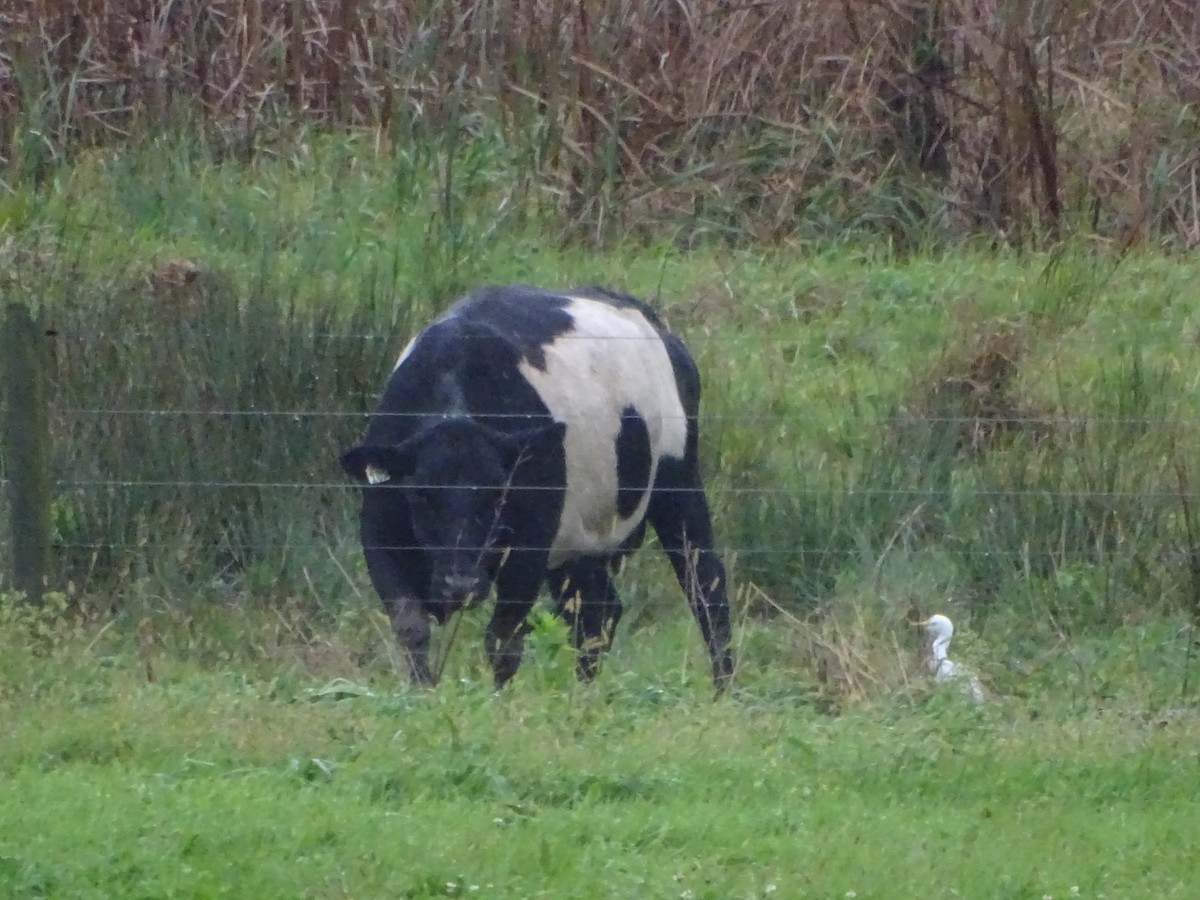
pixel 27 450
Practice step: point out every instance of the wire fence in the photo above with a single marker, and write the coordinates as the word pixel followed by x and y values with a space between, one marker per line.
pixel 336 482
pixel 147 470
pixel 705 419
pixel 74 485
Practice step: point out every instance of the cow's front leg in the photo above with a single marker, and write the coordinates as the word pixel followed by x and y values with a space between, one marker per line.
pixel 588 602
pixel 411 627
pixel 517 587
pixel 395 567
pixel 504 643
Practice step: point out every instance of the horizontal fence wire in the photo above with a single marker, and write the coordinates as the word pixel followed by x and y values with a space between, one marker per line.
pixel 705 422
pixel 1099 422
pixel 724 550
pixel 693 340
pixel 703 418
pixel 912 493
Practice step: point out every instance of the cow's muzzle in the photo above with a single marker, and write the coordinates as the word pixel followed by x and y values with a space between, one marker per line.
pixel 463 591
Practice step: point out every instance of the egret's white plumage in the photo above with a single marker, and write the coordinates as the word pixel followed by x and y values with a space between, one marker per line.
pixel 940 629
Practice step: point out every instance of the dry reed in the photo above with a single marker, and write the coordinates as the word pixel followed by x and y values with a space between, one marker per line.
pixel 1022 117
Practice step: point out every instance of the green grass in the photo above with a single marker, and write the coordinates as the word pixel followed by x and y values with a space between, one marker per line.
pixel 211 782
pixel 231 755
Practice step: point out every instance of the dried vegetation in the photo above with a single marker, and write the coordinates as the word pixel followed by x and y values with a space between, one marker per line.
pixel 969 396
pixel 1020 119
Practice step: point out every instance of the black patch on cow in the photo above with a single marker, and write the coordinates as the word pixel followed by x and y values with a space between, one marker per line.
pixel 633 462
pixel 528 318
pixel 687 382
pixel 458 367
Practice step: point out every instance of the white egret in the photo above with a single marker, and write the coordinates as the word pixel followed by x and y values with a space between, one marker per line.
pixel 940 629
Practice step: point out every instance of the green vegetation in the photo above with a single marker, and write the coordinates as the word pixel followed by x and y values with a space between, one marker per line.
pixel 256 774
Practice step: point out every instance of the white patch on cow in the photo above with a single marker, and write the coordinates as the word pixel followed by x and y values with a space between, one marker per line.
pixel 613 358
pixel 404 354
pixel 376 475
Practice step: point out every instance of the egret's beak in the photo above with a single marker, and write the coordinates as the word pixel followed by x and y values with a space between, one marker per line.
pixel 923 622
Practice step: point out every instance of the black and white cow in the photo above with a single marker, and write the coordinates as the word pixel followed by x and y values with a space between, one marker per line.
pixel 525 438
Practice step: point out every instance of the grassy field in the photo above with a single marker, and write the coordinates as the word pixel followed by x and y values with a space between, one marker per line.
pixel 212 708
pixel 254 779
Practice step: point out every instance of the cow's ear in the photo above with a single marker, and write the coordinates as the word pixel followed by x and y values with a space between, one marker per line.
pixel 531 441
pixel 377 463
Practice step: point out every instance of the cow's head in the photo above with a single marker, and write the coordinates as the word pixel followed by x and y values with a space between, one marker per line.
pixel 452 478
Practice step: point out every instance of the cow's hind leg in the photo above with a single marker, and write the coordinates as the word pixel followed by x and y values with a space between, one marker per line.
pixel 679 513
pixel 587 601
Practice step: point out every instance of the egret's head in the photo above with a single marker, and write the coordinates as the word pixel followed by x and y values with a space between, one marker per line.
pixel 939 628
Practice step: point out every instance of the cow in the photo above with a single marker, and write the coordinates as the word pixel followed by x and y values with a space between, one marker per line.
pixel 523 440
